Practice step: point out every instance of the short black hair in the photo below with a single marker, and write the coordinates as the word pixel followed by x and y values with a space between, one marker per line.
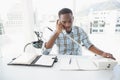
pixel 64 11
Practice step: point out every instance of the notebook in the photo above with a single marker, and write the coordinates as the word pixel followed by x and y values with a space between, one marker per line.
pixel 30 59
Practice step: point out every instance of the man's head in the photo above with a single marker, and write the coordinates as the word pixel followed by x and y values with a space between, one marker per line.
pixel 66 18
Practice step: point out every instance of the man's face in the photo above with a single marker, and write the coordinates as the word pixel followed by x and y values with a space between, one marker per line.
pixel 67 21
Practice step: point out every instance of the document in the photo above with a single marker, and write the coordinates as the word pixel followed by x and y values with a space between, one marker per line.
pixel 45 60
pixel 68 64
pixel 85 63
pixel 30 59
pixel 24 58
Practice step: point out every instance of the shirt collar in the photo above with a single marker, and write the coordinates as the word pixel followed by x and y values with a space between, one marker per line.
pixel 73 30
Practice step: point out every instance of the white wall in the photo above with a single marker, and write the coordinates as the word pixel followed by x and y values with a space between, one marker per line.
pixel 19 35
pixel 108 40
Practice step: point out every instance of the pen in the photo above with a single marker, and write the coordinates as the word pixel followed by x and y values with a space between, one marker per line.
pixel 50 29
pixel 70 61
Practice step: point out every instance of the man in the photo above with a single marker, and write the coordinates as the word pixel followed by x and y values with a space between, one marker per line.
pixel 67 46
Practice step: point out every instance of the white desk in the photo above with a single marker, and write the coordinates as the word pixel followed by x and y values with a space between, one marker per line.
pixel 44 73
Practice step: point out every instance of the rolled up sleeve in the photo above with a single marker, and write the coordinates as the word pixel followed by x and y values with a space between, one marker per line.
pixel 46 51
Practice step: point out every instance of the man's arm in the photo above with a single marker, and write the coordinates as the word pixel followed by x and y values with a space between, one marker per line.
pixel 92 48
pixel 59 28
pixel 50 43
pixel 100 52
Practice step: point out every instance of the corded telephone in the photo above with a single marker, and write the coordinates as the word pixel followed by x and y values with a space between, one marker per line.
pixel 104 63
pixel 96 63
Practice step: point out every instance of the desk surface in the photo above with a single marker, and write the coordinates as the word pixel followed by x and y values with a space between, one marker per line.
pixel 44 73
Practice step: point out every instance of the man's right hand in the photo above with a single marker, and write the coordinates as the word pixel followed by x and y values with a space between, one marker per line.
pixel 59 27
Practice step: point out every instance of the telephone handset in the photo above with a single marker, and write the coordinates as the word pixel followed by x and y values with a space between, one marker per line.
pixel 58 21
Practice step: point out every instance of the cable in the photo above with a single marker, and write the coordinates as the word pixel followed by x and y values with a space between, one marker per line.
pixel 26 45
pixel 64 32
pixel 38 43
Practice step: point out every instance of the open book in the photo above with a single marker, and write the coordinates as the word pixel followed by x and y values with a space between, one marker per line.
pixel 30 59
pixel 85 63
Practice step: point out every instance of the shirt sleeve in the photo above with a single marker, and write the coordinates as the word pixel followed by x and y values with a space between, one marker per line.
pixel 84 38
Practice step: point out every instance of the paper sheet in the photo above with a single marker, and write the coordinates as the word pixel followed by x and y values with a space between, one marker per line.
pixel 45 60
pixel 26 58
pixel 69 64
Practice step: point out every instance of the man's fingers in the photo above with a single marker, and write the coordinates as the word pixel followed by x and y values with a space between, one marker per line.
pixel 113 58
pixel 57 22
pixel 110 56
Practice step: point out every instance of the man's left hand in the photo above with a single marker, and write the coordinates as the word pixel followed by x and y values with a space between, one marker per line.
pixel 108 55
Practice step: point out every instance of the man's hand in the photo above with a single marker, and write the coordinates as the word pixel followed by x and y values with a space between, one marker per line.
pixel 59 27
pixel 107 55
